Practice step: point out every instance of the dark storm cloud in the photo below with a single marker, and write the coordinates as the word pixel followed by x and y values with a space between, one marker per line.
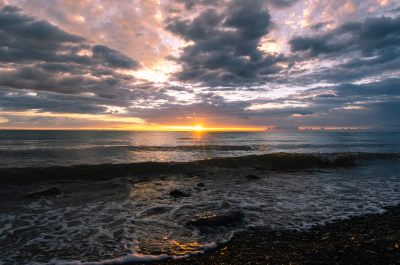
pixel 189 4
pixel 373 100
pixel 25 39
pixel 26 77
pixel 320 25
pixel 367 48
pixel 113 58
pixel 20 100
pixel 21 26
pixel 39 56
pixel 225 44
pixel 388 87
pixel 282 3
pixel 368 37
pixel 380 115
pixel 23 99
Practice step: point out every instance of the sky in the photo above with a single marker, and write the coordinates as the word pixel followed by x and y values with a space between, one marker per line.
pixel 183 64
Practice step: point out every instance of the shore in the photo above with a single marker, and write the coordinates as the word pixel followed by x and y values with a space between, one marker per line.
pixel 104 211
pixel 367 239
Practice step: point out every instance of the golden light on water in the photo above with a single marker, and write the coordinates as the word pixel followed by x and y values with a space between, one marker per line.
pixel 201 128
pixel 178 249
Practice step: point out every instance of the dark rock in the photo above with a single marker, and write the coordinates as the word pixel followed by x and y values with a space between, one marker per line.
pixel 201 185
pixel 252 177
pixel 228 218
pixel 53 191
pixel 155 211
pixel 178 194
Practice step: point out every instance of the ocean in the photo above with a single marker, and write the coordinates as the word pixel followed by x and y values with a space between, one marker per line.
pixel 115 204
pixel 66 148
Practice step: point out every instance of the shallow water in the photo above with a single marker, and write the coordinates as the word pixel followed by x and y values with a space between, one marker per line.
pixel 97 221
pixel 63 148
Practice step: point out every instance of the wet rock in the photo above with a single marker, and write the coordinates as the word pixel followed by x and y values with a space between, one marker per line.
pixel 228 218
pixel 252 177
pixel 178 194
pixel 155 211
pixel 53 191
pixel 201 185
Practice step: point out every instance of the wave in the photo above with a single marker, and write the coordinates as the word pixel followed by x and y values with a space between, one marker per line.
pixel 272 161
pixel 317 146
pixel 180 148
pixel 16 149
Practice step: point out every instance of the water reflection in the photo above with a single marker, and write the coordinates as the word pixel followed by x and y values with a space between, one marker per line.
pixel 52 148
pixel 177 248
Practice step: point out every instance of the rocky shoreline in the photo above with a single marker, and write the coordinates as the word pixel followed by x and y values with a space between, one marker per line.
pixel 367 239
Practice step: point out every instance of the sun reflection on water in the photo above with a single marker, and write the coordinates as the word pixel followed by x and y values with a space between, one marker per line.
pixel 180 249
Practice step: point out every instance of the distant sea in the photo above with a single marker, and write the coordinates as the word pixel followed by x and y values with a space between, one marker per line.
pixel 65 148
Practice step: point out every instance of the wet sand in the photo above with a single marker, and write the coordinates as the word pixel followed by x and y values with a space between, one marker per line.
pixel 367 239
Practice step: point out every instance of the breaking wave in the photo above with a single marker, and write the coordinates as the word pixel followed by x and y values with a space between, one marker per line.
pixel 272 161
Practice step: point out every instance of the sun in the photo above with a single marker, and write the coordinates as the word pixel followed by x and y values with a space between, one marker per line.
pixel 198 128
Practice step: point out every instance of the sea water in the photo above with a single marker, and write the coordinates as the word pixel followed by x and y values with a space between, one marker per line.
pixel 63 148
pixel 126 219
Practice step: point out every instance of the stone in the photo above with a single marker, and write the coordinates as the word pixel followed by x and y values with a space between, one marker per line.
pixel 252 177
pixel 178 194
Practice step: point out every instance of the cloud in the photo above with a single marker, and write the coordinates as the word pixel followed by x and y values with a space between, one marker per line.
pixel 133 28
pixel 12 100
pixel 225 44
pixel 189 4
pixel 113 58
pixel 353 50
pixel 29 29
pixel 283 3
pixel 45 68
pixel 238 66
pixel 367 37
pixel 36 55
pixel 26 39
